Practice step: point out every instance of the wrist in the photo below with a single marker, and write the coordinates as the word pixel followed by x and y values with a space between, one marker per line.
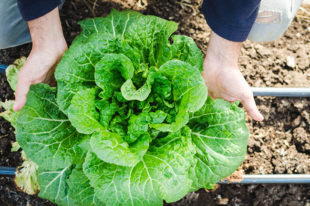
pixel 46 33
pixel 222 53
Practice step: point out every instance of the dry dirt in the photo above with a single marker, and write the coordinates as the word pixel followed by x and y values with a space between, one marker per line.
pixel 280 144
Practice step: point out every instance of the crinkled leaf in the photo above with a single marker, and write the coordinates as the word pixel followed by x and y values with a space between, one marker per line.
pixel 12 71
pixel 9 114
pixel 111 148
pixel 188 88
pixel 137 107
pixel 80 189
pixel 220 135
pixel 111 72
pixel 44 132
pixel 130 92
pixel 162 174
pixel 53 186
pixel 82 112
pixel 26 177
pixel 107 110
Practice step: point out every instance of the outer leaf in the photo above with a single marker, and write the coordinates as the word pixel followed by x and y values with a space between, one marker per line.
pixel 9 115
pixel 150 36
pixel 76 69
pixel 220 135
pixel 115 23
pixel 162 174
pixel 26 177
pixel 80 189
pixel 44 132
pixel 12 71
pixel 54 187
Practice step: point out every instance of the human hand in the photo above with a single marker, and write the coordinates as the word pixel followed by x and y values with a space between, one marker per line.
pixel 47 49
pixel 223 78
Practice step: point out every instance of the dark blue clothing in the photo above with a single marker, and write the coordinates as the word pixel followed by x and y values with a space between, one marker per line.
pixel 231 19
pixel 32 9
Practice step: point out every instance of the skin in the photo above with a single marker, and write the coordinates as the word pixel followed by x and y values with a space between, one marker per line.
pixel 221 73
pixel 48 46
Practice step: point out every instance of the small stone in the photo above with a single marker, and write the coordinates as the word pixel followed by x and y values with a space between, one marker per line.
pixel 298 35
pixel 222 201
pixel 290 61
pixel 308 30
pixel 296 122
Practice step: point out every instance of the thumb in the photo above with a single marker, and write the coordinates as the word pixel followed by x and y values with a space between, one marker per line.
pixel 21 92
pixel 251 108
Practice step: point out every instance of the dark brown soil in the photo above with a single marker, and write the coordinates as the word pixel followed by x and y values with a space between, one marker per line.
pixel 280 144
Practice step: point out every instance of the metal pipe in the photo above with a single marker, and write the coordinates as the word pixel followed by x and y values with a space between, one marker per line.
pixel 272 179
pixel 2 68
pixel 247 179
pixel 281 92
pixel 10 171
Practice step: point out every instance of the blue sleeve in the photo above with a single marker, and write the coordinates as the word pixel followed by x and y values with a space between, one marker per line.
pixel 32 9
pixel 231 19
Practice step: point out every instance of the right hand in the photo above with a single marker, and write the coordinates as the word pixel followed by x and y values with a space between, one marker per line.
pixel 229 84
pixel 223 78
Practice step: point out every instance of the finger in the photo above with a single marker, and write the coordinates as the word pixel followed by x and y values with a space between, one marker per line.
pixel 251 108
pixel 21 92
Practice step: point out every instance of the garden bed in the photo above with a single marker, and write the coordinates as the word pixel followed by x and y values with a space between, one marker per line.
pixel 278 145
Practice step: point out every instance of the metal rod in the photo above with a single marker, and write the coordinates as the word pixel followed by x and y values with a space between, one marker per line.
pixel 10 171
pixel 272 179
pixel 2 68
pixel 247 179
pixel 281 92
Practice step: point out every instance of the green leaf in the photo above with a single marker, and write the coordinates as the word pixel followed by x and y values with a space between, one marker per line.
pixel 162 174
pixel 106 110
pixel 111 148
pixel 82 112
pixel 111 72
pixel 130 92
pixel 185 49
pixel 9 114
pixel 150 36
pixel 12 71
pixel 116 23
pixel 188 88
pixel 137 126
pixel 131 124
pixel 220 135
pixel 44 132
pixel 54 187
pixel 80 189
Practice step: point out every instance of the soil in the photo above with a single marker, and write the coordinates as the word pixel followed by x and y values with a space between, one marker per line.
pixel 278 145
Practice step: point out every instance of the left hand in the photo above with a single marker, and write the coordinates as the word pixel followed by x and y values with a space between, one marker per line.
pixel 48 46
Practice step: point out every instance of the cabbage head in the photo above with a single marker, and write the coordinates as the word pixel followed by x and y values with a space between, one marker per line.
pixel 130 122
